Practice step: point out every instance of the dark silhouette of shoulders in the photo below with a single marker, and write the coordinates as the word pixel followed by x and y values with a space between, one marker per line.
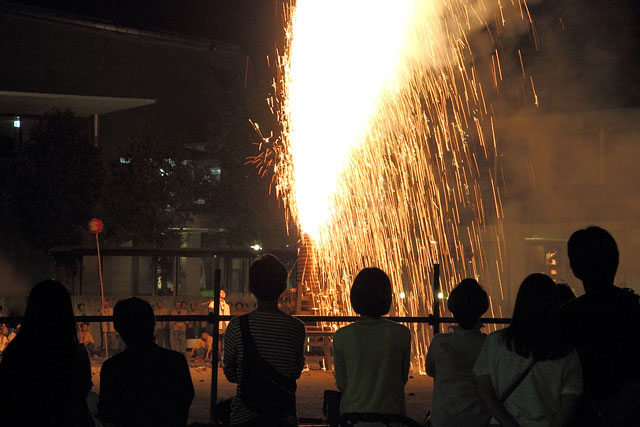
pixel 145 385
pixel 604 326
pixel 41 391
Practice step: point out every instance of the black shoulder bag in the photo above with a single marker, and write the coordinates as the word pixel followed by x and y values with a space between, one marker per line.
pixel 263 389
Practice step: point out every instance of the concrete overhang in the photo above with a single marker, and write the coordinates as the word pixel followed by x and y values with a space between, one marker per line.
pixel 36 104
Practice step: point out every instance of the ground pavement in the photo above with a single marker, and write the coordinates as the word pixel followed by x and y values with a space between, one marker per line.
pixel 311 386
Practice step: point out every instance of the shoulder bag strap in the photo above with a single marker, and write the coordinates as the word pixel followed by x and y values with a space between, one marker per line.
pixel 517 382
pixel 248 345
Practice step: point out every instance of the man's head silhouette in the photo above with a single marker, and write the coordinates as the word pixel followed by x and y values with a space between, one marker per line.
pixel 594 257
pixel 133 319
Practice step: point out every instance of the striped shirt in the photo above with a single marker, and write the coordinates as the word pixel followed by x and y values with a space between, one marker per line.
pixel 280 341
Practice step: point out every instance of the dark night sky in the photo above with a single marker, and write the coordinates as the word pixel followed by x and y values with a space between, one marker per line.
pixel 595 57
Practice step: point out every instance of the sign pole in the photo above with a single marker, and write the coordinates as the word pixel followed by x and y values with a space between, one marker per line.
pixel 95 227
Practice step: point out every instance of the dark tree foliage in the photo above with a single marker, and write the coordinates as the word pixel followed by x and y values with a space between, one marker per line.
pixel 155 190
pixel 53 180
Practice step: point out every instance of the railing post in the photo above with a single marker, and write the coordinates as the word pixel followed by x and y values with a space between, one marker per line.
pixel 215 320
pixel 436 300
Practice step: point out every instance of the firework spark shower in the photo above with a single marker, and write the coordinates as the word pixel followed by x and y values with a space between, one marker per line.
pixel 387 146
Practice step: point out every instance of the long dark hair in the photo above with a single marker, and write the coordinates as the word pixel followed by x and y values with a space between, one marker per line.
pixel 48 320
pixel 533 331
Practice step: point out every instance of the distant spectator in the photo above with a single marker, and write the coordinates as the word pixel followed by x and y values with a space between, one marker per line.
pixel 4 337
pixel 82 311
pixel 564 293
pixel 178 330
pixel 13 333
pixel 604 326
pixel 372 354
pixel 277 353
pixel 162 326
pixel 86 339
pixel 202 348
pixel 528 375
pixel 107 331
pixel 193 326
pixel 225 310
pixel 45 374
pixel 451 357
pixel 145 385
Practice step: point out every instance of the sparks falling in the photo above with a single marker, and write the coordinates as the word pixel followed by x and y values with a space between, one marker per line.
pixel 387 147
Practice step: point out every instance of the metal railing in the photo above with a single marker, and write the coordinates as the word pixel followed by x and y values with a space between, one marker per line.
pixel 214 318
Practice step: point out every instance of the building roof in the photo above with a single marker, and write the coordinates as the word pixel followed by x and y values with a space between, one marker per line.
pixel 36 104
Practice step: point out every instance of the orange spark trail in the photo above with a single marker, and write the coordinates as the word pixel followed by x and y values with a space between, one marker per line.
pixel 383 147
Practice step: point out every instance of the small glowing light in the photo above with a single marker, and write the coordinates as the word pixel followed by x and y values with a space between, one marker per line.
pixel 16 123
pixel 402 295
pixel 433 242
pixel 256 247
pixel 440 295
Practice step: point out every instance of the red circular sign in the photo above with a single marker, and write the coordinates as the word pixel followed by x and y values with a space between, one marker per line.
pixel 95 226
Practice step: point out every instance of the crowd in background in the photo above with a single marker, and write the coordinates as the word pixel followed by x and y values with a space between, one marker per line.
pixel 169 334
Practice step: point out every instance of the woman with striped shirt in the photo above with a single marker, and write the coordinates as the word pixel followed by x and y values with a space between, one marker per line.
pixel 279 341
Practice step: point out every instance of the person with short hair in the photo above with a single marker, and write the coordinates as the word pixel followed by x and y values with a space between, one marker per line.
pixel 372 354
pixel 279 339
pixel 451 357
pixel 145 385
pixel 604 326
pixel 527 373
pixel 202 348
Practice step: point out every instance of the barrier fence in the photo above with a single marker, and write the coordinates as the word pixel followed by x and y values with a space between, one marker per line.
pixel 213 318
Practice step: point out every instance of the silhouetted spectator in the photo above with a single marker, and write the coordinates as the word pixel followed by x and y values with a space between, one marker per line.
pixel 604 326
pixel 564 293
pixel 372 354
pixel 451 358
pixel 45 374
pixel 13 333
pixel 178 329
pixel 82 311
pixel 4 336
pixel 528 375
pixel 225 310
pixel 162 326
pixel 145 385
pixel 193 326
pixel 202 348
pixel 86 339
pixel 278 348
